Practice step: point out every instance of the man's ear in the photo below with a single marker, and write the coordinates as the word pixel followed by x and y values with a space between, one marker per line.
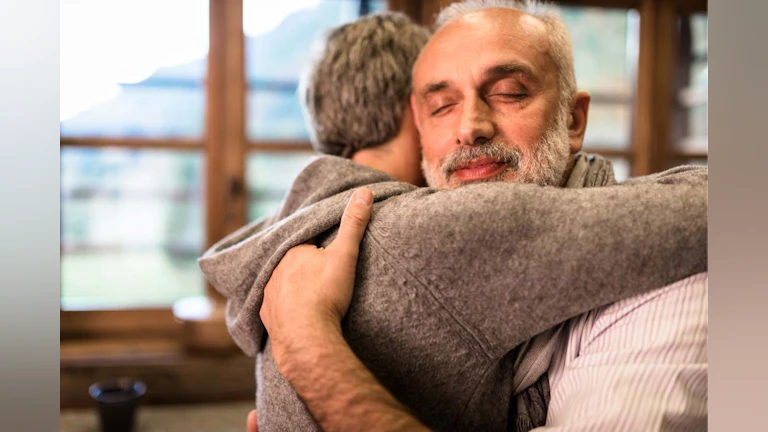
pixel 415 111
pixel 577 120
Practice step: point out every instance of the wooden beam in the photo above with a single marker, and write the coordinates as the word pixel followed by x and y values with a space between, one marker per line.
pixel 691 6
pixel 430 9
pixel 681 6
pixel 618 4
pixel 412 8
pixel 226 89
pixel 281 146
pixel 234 127
pixel 652 125
pixel 216 190
pixel 132 143
pixel 117 323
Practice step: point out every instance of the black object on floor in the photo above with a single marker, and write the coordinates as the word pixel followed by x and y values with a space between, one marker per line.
pixel 118 399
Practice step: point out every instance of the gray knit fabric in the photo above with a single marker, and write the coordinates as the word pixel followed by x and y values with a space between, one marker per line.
pixel 450 282
pixel 530 385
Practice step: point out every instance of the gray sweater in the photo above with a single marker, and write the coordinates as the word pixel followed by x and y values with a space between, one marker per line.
pixel 450 282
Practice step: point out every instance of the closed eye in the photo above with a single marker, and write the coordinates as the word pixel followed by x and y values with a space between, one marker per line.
pixel 441 109
pixel 510 96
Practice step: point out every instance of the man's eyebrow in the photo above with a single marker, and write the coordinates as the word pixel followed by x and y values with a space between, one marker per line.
pixel 509 69
pixel 432 88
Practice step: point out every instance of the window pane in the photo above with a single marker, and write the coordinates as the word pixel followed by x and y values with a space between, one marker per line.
pixel 608 126
pixel 691 130
pixel 605 49
pixel 269 177
pixel 279 42
pixel 133 68
pixel 278 115
pixel 131 227
pixel 620 168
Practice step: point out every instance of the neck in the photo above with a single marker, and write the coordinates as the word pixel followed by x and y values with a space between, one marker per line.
pixel 568 170
pixel 389 158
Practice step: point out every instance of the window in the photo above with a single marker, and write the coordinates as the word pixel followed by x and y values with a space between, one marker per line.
pixel 129 83
pixel 172 139
pixel 132 216
pixel 278 44
pixel 605 49
pixel 270 175
pixel 131 227
pixel 180 123
pixel 689 133
pixel 161 153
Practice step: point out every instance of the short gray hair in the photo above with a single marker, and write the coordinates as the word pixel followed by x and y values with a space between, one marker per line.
pixel 561 48
pixel 354 93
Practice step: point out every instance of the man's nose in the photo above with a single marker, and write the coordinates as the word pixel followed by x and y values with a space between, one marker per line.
pixel 476 125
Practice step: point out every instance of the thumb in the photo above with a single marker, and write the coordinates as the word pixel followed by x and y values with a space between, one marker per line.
pixel 253 424
pixel 353 224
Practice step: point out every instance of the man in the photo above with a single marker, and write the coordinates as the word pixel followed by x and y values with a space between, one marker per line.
pixel 438 325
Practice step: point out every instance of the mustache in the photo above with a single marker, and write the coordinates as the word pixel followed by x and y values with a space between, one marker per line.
pixel 502 152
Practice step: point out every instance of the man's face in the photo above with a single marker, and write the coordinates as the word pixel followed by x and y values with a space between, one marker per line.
pixel 486 101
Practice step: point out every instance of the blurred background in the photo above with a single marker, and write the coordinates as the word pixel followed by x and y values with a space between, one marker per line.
pixel 180 123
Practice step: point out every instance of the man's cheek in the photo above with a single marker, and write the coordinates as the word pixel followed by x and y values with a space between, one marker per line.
pixel 522 130
pixel 436 142
pixel 431 161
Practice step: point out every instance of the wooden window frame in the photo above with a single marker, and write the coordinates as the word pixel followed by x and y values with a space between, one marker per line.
pixel 223 146
pixel 226 147
pixel 148 342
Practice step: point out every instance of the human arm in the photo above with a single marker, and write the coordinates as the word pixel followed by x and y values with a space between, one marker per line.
pixel 637 364
pixel 421 230
pixel 510 260
pixel 303 322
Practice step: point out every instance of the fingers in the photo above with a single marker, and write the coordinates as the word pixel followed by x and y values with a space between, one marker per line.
pixel 293 260
pixel 353 224
pixel 253 425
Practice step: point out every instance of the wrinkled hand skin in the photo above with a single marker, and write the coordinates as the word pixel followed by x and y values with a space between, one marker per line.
pixel 311 288
pixel 305 300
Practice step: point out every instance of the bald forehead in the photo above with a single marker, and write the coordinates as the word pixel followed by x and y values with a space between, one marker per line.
pixel 492 29
pixel 501 18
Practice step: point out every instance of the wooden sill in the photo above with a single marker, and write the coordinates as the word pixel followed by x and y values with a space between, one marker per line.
pixel 173 375
pixel 107 324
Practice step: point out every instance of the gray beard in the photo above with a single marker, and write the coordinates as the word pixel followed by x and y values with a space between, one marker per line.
pixel 545 166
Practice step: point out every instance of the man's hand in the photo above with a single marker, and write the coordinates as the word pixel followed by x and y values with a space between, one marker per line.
pixel 304 301
pixel 312 287
pixel 252 424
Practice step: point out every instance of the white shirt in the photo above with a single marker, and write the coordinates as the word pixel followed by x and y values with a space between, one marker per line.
pixel 636 365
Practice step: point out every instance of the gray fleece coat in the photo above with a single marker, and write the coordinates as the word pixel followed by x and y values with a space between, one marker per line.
pixel 450 282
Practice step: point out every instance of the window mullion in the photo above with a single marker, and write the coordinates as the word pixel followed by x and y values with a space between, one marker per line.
pixel 225 144
pixel 652 135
